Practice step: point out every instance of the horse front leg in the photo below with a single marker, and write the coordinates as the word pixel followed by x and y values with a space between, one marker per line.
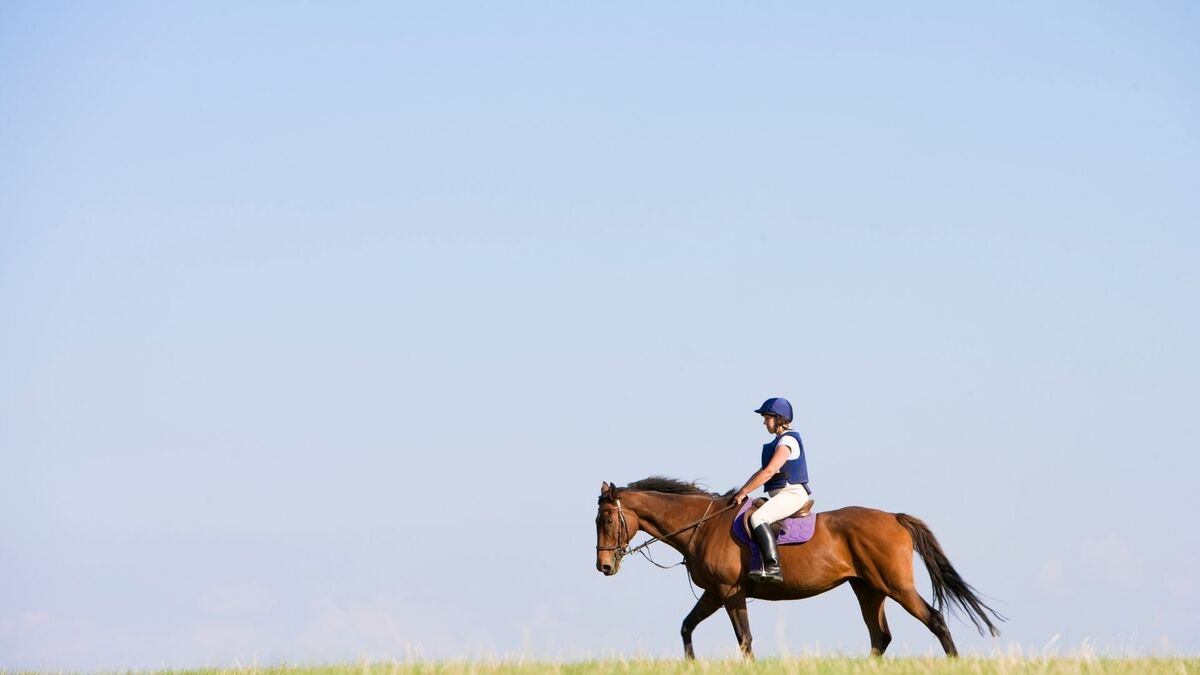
pixel 705 606
pixel 735 605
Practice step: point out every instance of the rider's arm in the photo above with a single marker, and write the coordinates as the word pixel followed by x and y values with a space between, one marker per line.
pixel 764 474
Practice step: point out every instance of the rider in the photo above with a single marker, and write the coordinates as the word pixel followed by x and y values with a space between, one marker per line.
pixel 784 476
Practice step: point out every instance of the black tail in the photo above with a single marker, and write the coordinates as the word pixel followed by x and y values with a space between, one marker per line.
pixel 949 589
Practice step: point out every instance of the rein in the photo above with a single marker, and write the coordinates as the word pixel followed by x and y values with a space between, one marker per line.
pixel 622 551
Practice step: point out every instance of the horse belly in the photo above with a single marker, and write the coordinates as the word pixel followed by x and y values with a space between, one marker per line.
pixel 809 569
pixel 790 590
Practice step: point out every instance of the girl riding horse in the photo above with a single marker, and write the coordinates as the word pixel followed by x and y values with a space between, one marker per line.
pixel 784 477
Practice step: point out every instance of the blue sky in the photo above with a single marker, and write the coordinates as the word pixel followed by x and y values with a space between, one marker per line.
pixel 320 327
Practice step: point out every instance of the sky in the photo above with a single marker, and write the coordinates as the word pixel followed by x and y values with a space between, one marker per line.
pixel 320 326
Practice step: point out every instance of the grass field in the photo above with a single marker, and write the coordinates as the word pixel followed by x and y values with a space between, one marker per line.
pixel 813 666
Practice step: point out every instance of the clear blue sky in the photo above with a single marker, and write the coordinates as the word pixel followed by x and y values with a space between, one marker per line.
pixel 320 327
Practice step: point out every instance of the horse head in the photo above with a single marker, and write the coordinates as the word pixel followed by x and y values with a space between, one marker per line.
pixel 615 526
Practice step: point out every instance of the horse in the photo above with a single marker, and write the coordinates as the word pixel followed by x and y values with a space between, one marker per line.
pixel 869 548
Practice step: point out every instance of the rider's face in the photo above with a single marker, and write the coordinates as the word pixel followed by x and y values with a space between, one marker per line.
pixel 771 422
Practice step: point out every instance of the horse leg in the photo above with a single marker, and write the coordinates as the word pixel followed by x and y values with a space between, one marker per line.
pixel 914 604
pixel 870 600
pixel 708 603
pixel 735 605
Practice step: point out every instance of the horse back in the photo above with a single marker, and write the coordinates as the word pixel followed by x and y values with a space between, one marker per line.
pixel 858 520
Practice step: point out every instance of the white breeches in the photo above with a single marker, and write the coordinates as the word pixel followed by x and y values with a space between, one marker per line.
pixel 783 503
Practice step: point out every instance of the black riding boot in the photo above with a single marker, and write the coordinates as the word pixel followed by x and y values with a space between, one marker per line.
pixel 765 538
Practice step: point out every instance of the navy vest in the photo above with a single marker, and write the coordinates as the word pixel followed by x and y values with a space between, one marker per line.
pixel 793 471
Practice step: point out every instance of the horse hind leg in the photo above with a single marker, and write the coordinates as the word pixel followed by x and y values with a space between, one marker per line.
pixel 708 603
pixel 914 604
pixel 870 601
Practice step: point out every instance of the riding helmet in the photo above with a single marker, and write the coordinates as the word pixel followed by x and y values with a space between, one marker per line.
pixel 776 406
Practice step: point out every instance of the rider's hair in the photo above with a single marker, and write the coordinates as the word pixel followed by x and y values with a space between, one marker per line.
pixel 781 424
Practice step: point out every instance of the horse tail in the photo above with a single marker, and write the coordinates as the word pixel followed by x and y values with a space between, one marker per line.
pixel 949 589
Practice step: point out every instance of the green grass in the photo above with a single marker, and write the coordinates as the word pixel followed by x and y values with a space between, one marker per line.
pixel 824 665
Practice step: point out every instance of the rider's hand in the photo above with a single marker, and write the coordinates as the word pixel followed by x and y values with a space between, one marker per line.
pixel 737 498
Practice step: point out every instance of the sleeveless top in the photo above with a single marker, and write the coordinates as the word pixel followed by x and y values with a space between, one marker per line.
pixel 793 471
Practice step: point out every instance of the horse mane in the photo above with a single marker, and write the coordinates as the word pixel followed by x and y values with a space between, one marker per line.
pixel 672 486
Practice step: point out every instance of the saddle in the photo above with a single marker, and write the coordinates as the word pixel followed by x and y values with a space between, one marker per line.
pixel 776 526
pixel 795 529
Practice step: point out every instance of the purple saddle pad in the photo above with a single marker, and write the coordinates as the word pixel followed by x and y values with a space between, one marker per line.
pixel 792 531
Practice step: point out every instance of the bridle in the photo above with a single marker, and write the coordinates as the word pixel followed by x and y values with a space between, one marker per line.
pixel 620 551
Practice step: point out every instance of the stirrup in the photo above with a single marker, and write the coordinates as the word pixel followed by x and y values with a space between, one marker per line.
pixel 767 576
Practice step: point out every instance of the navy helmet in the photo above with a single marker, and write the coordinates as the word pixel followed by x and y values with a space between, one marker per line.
pixel 776 406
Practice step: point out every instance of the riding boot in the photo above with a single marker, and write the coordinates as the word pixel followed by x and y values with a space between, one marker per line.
pixel 764 536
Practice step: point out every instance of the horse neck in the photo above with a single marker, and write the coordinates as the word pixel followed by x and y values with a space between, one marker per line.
pixel 660 513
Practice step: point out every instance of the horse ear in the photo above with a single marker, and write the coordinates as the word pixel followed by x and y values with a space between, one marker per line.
pixel 604 488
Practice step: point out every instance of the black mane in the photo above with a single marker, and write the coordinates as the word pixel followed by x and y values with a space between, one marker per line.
pixel 672 486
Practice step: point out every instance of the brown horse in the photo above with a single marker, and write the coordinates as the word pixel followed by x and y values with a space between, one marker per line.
pixel 871 549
